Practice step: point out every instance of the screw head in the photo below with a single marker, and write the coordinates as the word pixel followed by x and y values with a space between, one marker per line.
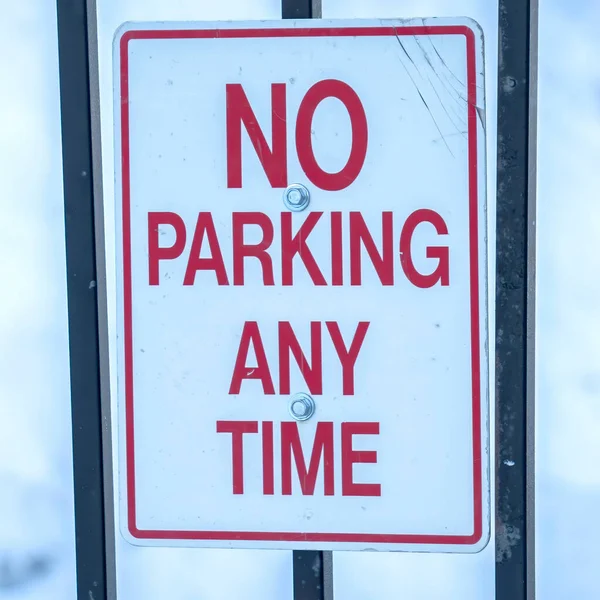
pixel 296 197
pixel 302 407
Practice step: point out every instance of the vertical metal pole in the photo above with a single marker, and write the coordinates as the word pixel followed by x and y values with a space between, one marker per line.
pixel 297 9
pixel 308 575
pixel 82 287
pixel 515 300
pixel 312 570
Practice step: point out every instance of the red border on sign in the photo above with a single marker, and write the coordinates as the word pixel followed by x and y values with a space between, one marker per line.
pixel 467 540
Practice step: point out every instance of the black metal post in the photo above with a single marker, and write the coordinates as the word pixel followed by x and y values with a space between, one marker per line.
pixel 308 565
pixel 515 300
pixel 82 289
pixel 297 9
pixel 308 575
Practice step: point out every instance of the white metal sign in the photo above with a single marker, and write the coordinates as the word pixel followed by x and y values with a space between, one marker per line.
pixel 302 330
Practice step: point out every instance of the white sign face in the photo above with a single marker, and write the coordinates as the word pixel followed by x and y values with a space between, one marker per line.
pixel 241 310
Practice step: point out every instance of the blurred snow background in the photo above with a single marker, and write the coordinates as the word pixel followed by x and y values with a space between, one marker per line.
pixel 36 529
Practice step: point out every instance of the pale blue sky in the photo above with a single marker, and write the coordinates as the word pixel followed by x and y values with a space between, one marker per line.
pixel 35 504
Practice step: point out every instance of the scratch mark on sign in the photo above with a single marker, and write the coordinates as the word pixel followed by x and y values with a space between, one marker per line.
pixel 462 133
pixel 419 92
pixel 281 118
pixel 461 83
pixel 448 89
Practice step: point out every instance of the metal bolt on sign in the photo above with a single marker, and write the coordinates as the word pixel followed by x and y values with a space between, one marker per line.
pixel 302 407
pixel 296 197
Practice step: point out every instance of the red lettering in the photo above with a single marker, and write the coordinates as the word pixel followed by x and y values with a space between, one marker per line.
pixel 256 243
pixel 156 253
pixel 322 452
pixel 259 251
pixel 337 262
pixel 205 227
pixel 351 457
pixel 267 456
pixel 347 357
pixel 322 448
pixel 241 371
pixel 292 245
pixel 313 375
pixel 384 262
pixel 442 253
pixel 331 88
pixel 274 162
pixel 237 430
